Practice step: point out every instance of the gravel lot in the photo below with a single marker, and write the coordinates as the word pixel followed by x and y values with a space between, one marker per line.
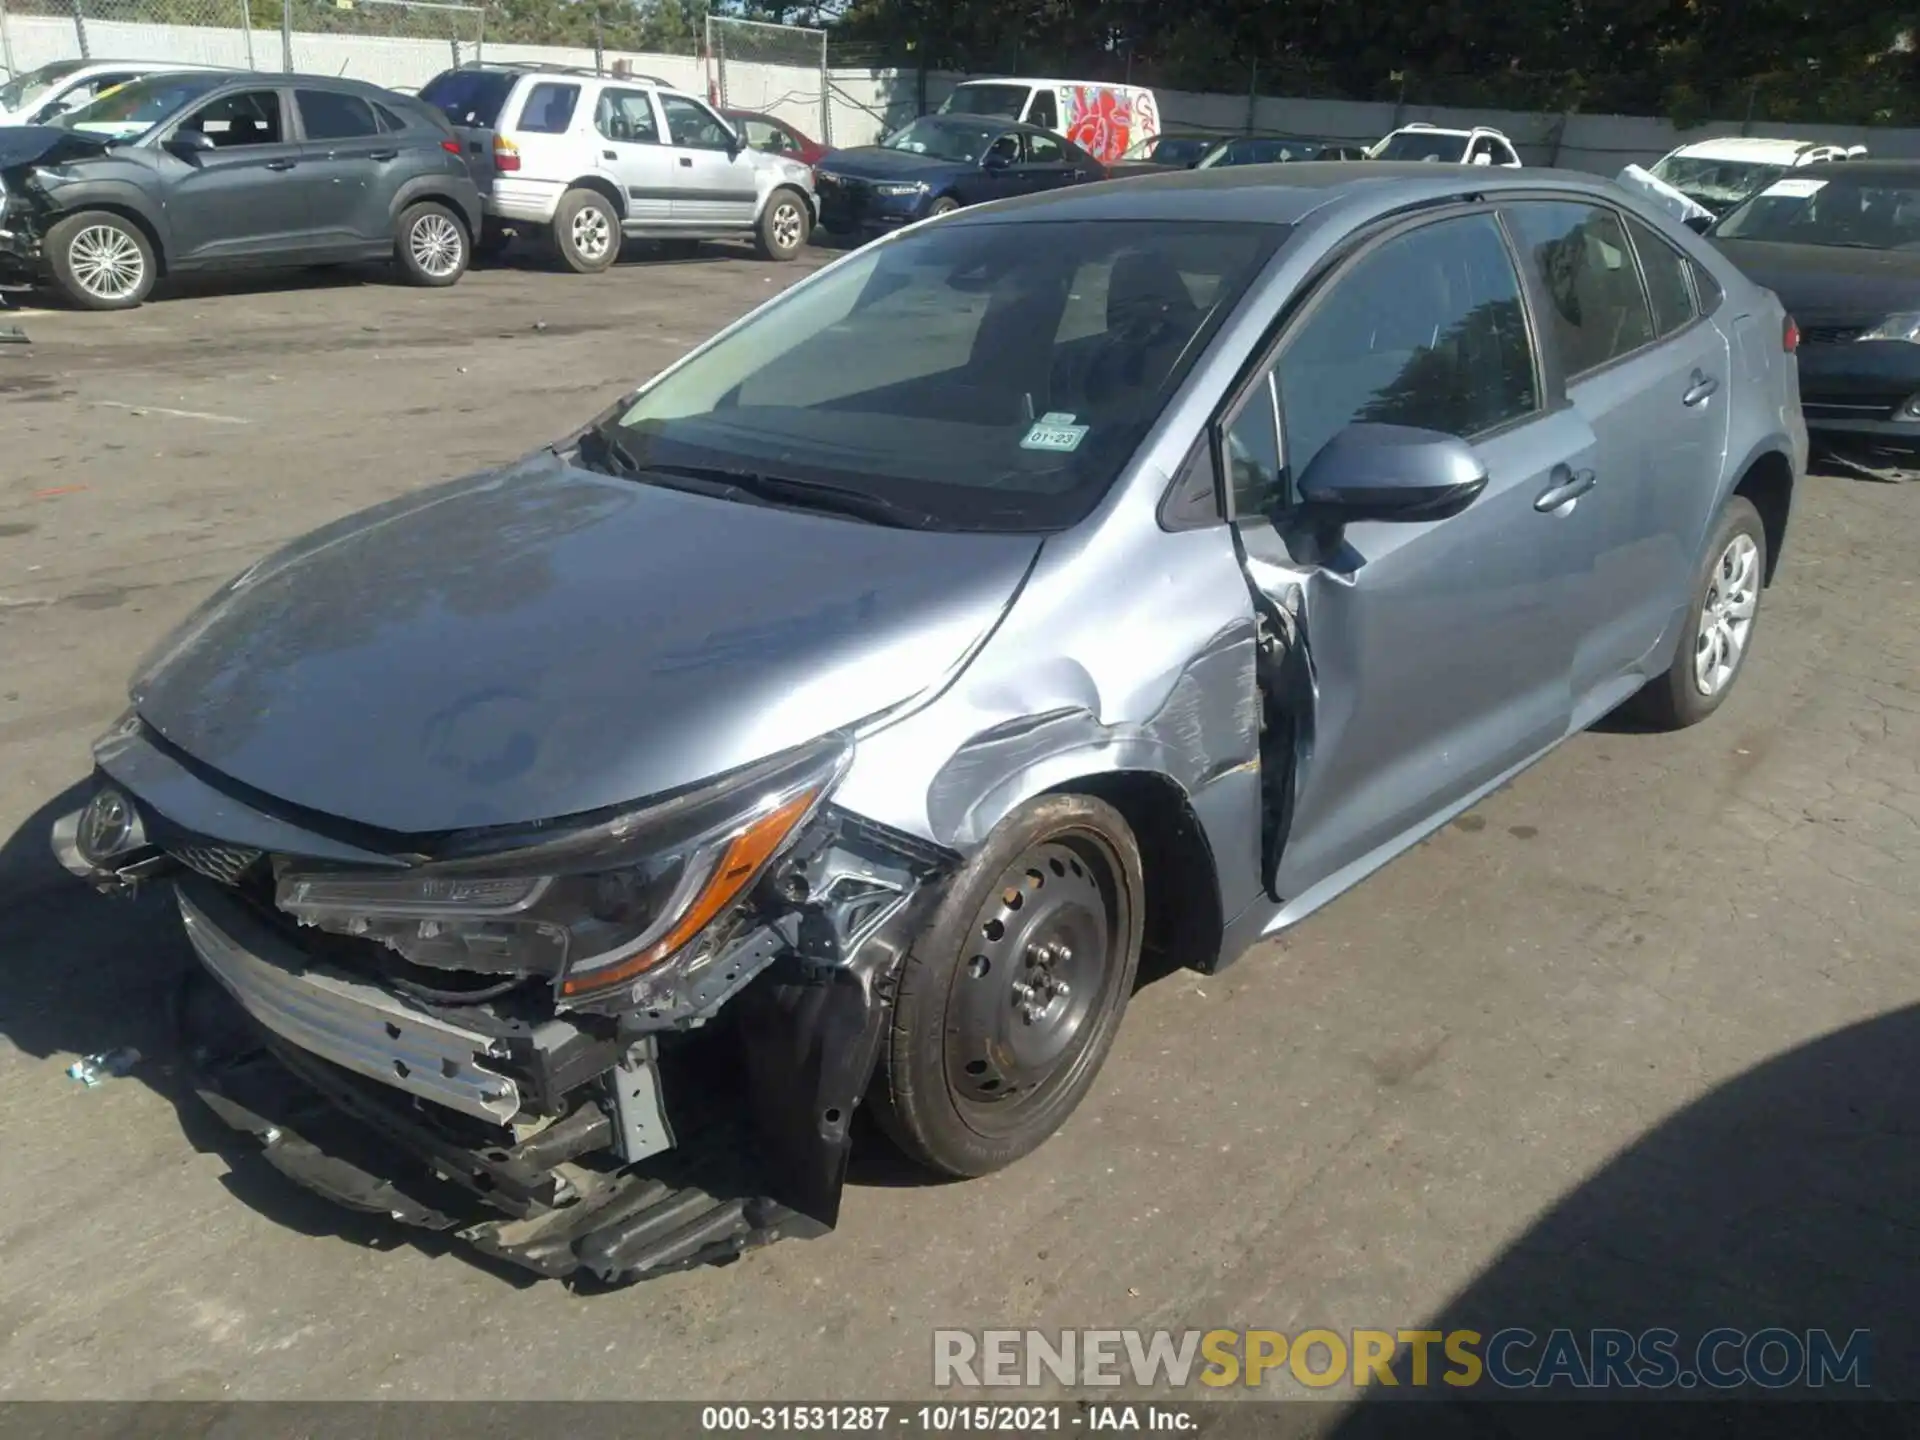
pixel 1547 1066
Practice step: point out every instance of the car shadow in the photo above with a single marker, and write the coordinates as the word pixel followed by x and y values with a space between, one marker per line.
pixel 1782 1199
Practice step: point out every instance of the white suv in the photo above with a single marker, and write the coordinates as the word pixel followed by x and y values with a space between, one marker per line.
pixel 41 96
pixel 595 158
pixel 1482 145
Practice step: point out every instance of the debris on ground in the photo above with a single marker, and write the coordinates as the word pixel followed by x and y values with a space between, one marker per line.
pixel 92 1070
pixel 13 335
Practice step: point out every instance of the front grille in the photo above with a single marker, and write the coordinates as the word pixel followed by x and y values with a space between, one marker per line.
pixel 1831 334
pixel 223 864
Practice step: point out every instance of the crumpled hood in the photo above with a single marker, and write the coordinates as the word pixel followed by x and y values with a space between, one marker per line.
pixel 45 145
pixel 1830 284
pixel 542 641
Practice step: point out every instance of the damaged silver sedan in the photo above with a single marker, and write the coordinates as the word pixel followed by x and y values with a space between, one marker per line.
pixel 843 716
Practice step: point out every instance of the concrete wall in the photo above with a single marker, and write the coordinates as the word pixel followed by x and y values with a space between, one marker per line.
pixel 862 105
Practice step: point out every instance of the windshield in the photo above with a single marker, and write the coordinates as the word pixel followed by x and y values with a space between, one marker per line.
pixel 1005 101
pixel 469 97
pixel 137 106
pixel 1170 149
pixel 1874 213
pixel 1424 145
pixel 1717 184
pixel 979 376
pixel 943 141
pixel 24 89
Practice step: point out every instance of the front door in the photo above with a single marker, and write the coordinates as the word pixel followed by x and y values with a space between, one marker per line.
pixel 714 174
pixel 244 198
pixel 1045 166
pixel 1646 374
pixel 633 153
pixel 1440 649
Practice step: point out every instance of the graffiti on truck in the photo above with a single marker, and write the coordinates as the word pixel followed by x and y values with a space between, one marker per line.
pixel 1104 121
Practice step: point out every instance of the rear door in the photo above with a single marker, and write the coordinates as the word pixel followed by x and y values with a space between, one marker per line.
pixel 634 152
pixel 349 166
pixel 244 198
pixel 1647 377
pixel 714 179
pixel 472 101
pixel 1440 648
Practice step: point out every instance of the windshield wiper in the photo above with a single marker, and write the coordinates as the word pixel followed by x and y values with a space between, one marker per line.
pixel 818 495
pixel 614 452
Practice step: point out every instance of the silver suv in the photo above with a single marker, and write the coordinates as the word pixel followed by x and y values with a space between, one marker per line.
pixel 594 159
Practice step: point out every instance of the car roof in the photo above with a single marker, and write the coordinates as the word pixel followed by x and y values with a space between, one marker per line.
pixel 1282 194
pixel 546 67
pixel 984 122
pixel 1049 84
pixel 1746 147
pixel 1421 127
pixel 1908 170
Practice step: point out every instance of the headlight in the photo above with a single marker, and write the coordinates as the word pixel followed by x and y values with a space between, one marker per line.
pixel 594 907
pixel 900 187
pixel 1904 326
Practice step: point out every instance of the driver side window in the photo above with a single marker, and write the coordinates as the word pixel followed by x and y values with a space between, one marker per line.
pixel 251 117
pixel 1004 151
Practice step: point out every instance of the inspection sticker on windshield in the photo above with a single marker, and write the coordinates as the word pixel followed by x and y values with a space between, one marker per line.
pixel 1795 189
pixel 1054 430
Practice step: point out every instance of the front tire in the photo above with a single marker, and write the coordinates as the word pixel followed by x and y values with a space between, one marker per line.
pixel 432 245
pixel 586 232
pixel 945 205
pixel 1009 1001
pixel 101 261
pixel 784 226
pixel 1719 629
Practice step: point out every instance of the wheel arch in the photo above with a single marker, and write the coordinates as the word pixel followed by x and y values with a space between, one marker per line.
pixel 119 207
pixel 429 189
pixel 1767 481
pixel 605 188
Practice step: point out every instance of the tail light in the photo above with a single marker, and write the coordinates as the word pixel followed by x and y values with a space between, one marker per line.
pixel 1790 337
pixel 452 147
pixel 506 154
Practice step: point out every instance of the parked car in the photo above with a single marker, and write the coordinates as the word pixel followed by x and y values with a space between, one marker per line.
pixel 589 161
pixel 570 848
pixel 1103 120
pixel 1482 145
pixel 773 136
pixel 1839 243
pixel 1168 150
pixel 218 170
pixel 1274 150
pixel 1706 179
pixel 42 96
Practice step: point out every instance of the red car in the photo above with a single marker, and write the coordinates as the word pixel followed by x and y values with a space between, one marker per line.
pixel 775 136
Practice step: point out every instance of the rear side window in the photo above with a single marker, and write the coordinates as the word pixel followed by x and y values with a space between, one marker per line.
pixel 626 115
pixel 549 108
pixel 326 115
pixel 469 97
pixel 1706 290
pixel 389 120
pixel 1426 330
pixel 1666 272
pixel 1578 254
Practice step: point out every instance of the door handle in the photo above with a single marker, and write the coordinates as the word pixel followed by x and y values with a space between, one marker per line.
pixel 383 155
pixel 1701 387
pixel 687 160
pixel 1568 484
pixel 608 155
pixel 281 164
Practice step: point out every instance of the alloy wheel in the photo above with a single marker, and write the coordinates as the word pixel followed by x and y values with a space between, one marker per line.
pixel 436 245
pixel 787 226
pixel 106 262
pixel 592 232
pixel 1726 615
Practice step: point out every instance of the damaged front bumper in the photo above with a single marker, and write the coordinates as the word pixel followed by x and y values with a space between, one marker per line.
pixel 571 1144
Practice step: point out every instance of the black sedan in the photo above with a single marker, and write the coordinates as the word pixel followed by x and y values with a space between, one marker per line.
pixel 940 163
pixel 206 170
pixel 1840 245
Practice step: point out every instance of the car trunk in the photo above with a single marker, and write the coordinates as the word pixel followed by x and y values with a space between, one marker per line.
pixel 472 101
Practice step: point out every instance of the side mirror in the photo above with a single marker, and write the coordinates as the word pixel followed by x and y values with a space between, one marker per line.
pixel 1390 472
pixel 1699 224
pixel 188 144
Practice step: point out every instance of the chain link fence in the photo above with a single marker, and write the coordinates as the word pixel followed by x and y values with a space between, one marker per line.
pixel 774 69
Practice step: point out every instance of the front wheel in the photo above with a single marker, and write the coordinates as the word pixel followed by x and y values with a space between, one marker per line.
pixel 431 245
pixel 1719 629
pixel 1010 1000
pixel 945 205
pixel 783 226
pixel 101 261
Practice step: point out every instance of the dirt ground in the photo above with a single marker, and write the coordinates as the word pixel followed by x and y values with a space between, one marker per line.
pixel 1632 1040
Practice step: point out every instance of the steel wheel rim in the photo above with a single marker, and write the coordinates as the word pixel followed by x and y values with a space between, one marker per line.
pixel 436 244
pixel 1726 615
pixel 592 232
pixel 1037 978
pixel 786 226
pixel 106 262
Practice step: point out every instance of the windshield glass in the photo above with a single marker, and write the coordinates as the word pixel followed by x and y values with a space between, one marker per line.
pixel 985 377
pixel 1170 149
pixel 1874 213
pixel 24 89
pixel 1717 184
pixel 137 106
pixel 1005 101
pixel 1425 145
pixel 469 97
pixel 943 140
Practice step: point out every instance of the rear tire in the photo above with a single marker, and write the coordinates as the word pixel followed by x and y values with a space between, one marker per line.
pixel 431 245
pixel 990 1047
pixel 586 232
pixel 784 225
pixel 101 261
pixel 1718 635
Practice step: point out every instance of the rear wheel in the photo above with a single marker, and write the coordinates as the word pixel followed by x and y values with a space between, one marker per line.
pixel 1010 1000
pixel 101 261
pixel 586 231
pixel 1719 630
pixel 783 227
pixel 431 245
